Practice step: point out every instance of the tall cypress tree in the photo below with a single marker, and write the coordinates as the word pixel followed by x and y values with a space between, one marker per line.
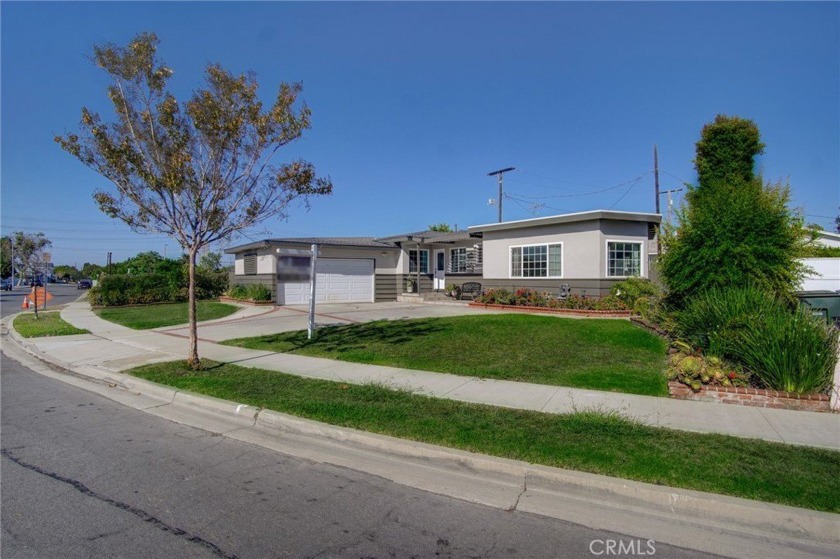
pixel 735 230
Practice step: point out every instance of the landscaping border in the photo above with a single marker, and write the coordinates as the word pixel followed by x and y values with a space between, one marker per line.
pixel 572 312
pixel 249 302
pixel 745 396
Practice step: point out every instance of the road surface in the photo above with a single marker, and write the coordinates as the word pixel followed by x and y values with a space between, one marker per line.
pixel 83 476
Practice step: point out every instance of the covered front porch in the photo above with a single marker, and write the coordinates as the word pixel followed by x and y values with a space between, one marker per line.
pixel 434 260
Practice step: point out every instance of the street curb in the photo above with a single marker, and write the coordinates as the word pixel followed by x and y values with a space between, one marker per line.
pixel 629 507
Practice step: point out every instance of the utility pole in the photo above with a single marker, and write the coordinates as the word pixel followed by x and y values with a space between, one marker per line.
pixel 109 263
pixel 656 186
pixel 670 201
pixel 501 173
pixel 656 175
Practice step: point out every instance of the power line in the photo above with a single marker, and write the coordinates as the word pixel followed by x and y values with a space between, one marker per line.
pixel 632 186
pixel 531 210
pixel 581 194
pixel 674 176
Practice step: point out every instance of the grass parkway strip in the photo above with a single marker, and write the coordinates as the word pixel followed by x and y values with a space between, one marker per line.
pixel 599 354
pixel 145 317
pixel 47 324
pixel 588 441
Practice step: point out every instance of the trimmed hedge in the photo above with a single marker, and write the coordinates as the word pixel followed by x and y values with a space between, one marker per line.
pixel 142 289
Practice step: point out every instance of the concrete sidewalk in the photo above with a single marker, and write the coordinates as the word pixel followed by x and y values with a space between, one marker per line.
pixel 110 347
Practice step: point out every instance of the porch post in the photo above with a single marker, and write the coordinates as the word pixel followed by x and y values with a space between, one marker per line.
pixel 418 268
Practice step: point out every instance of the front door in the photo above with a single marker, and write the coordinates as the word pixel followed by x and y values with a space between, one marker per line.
pixel 440 269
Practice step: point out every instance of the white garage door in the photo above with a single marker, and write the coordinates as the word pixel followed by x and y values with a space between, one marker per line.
pixel 337 280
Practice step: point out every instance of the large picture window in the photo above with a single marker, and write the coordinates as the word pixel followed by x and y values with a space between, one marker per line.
pixel 537 261
pixel 624 259
pixel 458 260
pixel 412 261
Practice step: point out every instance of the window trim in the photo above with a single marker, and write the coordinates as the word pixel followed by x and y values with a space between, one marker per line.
pixel 419 261
pixel 547 252
pixel 642 257
pixel 452 260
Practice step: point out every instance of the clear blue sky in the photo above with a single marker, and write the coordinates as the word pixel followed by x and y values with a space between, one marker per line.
pixel 414 103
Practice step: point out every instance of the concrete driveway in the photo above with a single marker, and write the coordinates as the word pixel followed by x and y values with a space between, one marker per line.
pixel 295 317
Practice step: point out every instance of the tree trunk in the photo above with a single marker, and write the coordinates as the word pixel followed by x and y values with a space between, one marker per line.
pixel 193 360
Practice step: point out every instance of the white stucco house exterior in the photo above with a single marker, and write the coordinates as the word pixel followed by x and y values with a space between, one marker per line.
pixel 587 252
pixel 826 270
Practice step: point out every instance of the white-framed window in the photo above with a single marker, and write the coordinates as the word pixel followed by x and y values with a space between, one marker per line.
pixel 624 259
pixel 537 261
pixel 412 261
pixel 458 260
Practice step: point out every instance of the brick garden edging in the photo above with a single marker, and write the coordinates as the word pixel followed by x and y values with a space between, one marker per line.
pixel 752 397
pixel 574 312
pixel 249 302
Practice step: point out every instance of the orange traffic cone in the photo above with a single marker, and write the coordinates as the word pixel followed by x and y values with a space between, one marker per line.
pixel 25 304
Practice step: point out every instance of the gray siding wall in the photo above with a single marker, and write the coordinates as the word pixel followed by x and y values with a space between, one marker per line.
pixel 426 283
pixel 269 280
pixel 387 287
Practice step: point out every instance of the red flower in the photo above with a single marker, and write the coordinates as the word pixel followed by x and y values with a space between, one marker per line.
pixel 731 375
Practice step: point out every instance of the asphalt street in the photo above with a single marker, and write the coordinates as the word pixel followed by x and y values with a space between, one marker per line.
pixel 83 476
pixel 11 301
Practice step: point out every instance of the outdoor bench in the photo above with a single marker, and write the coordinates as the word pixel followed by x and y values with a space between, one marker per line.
pixel 471 288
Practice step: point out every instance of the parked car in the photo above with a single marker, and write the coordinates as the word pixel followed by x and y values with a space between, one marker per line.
pixel 7 284
pixel 84 284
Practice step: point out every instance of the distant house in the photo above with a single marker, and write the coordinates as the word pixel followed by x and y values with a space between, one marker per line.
pixel 587 252
pixel 826 270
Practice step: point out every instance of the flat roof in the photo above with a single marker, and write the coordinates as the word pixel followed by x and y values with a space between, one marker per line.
pixel 568 218
pixel 354 242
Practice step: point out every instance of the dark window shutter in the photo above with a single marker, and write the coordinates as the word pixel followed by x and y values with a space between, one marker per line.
pixel 250 263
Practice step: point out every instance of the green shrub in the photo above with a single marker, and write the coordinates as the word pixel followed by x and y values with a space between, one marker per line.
pixel 135 289
pixel 792 351
pixel 715 319
pixel 139 289
pixel 631 289
pixel 532 298
pixel 250 292
pixel 610 303
pixel 785 348
pixel 209 284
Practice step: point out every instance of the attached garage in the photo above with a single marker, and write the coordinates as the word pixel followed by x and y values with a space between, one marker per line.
pixel 337 280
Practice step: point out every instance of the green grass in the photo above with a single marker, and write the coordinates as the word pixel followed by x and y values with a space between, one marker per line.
pixel 47 324
pixel 587 441
pixel 169 314
pixel 611 355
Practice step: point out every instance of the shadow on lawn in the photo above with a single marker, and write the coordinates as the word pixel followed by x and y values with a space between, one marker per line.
pixel 351 337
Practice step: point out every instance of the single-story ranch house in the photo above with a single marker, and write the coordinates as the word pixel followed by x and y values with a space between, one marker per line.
pixel 587 252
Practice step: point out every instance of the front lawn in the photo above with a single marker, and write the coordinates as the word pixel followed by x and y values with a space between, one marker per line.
pixel 47 324
pixel 600 354
pixel 587 441
pixel 144 317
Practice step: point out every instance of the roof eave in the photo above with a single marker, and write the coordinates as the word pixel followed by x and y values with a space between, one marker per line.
pixel 567 218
